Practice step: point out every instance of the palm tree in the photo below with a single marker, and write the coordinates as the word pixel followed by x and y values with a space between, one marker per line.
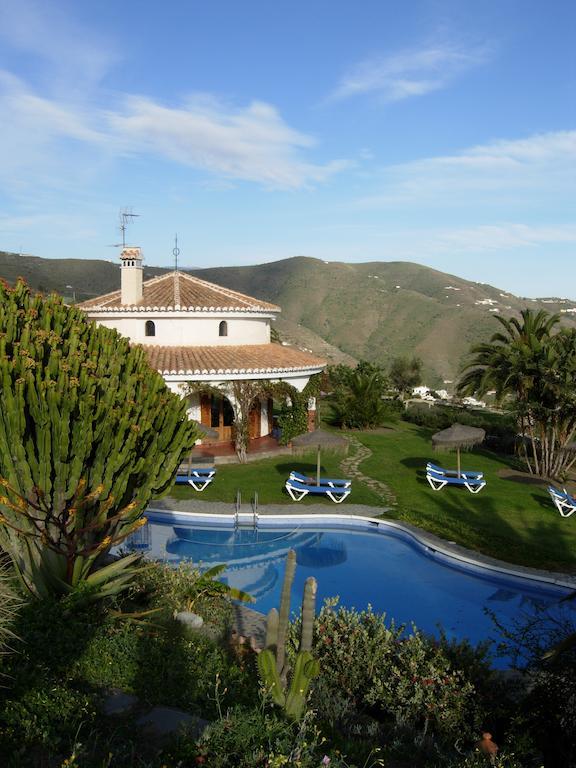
pixel 530 363
pixel 359 404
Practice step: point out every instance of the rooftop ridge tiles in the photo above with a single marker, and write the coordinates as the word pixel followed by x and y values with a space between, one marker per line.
pixel 220 360
pixel 112 301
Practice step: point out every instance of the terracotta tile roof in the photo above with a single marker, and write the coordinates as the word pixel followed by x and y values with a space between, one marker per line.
pixel 179 291
pixel 252 358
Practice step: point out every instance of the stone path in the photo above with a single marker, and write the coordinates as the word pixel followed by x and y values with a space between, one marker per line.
pixel 350 467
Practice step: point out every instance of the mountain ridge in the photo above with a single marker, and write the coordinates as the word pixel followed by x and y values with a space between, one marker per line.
pixel 371 310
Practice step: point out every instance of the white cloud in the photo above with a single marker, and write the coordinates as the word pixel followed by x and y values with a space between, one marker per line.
pixel 251 143
pixel 540 165
pixel 498 237
pixel 409 72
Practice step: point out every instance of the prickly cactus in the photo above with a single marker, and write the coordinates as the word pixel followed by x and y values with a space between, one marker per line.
pixel 272 664
pixel 88 433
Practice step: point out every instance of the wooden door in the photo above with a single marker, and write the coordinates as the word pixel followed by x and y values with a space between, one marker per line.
pixel 254 420
pixel 217 413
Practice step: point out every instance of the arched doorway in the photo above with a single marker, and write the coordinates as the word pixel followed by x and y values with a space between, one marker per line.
pixel 217 413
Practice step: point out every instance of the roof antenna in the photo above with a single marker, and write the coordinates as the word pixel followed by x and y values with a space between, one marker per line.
pixel 125 216
pixel 176 252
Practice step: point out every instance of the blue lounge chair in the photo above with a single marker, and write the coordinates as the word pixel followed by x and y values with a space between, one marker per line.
pixel 332 482
pixel 453 472
pixel 298 490
pixel 199 479
pixel 438 480
pixel 565 503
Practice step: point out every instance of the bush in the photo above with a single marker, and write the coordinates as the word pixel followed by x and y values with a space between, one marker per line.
pixel 359 404
pixel 45 716
pixel 167 590
pixel 375 678
pixel 253 738
pixel 70 654
pixel 500 428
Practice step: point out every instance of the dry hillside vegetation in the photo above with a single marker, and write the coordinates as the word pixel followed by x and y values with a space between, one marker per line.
pixel 375 311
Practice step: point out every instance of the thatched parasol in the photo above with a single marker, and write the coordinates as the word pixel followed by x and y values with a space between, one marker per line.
pixel 322 441
pixel 460 437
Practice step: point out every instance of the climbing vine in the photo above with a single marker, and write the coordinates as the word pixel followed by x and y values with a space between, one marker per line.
pixel 293 416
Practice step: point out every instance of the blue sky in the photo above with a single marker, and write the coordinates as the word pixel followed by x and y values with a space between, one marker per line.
pixel 435 131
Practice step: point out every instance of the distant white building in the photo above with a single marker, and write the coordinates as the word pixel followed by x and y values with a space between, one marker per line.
pixel 423 392
pixel 194 330
pixel 471 401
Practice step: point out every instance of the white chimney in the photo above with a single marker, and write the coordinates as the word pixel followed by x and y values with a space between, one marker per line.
pixel 131 272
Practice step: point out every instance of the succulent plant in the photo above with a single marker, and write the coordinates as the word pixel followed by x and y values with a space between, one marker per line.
pixel 289 688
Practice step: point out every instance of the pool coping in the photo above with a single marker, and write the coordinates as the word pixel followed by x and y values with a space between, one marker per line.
pixel 434 544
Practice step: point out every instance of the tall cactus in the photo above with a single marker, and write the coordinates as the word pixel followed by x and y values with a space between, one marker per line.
pixel 88 433
pixel 272 664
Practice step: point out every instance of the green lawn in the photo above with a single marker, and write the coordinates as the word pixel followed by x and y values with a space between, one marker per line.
pixel 508 519
pixel 511 520
pixel 268 477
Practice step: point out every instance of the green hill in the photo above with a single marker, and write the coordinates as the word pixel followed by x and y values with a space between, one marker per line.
pixel 376 311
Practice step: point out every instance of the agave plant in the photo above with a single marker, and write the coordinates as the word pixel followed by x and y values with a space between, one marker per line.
pixel 208 585
pixel 9 604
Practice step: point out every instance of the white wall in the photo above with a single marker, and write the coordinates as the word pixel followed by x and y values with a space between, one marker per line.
pixel 182 330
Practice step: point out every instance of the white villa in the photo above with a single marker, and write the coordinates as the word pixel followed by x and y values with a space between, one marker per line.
pixel 195 331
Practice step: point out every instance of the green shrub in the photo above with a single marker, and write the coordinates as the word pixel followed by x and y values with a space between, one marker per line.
pixel 69 654
pixel 167 590
pixel 500 427
pixel 374 677
pixel 359 403
pixel 549 712
pixel 245 738
pixel 45 716
pixel 256 738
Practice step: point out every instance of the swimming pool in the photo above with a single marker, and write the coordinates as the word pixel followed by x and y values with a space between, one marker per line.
pixel 361 561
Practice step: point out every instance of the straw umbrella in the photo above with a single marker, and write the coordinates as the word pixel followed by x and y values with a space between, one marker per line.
pixel 460 437
pixel 323 441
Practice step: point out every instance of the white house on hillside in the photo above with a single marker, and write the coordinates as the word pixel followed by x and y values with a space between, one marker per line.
pixel 193 330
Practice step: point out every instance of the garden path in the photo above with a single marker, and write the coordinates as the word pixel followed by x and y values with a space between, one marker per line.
pixel 350 467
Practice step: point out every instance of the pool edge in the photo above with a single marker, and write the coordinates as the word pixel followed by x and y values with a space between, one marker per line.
pixel 430 541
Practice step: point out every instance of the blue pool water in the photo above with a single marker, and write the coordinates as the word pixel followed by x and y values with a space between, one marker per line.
pixel 383 567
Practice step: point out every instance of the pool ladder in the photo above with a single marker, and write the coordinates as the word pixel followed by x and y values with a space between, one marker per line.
pixel 252 521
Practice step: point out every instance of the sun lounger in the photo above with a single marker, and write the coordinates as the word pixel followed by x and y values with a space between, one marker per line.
pixel 298 490
pixel 332 482
pixel 565 503
pixel 199 479
pixel 438 480
pixel 453 472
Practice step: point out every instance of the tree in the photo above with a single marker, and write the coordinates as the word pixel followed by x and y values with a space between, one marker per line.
pixel 405 374
pixel 340 375
pixel 245 394
pixel 359 404
pixel 534 364
pixel 88 434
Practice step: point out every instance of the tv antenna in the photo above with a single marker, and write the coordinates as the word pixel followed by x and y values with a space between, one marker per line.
pixel 176 252
pixel 125 218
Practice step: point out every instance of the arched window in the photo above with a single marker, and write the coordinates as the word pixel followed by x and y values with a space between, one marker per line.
pixel 223 328
pixel 150 328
